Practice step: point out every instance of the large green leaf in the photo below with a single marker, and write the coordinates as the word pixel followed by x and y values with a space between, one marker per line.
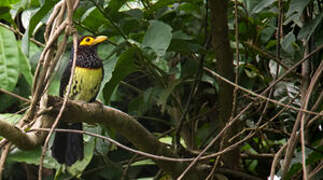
pixel 5 15
pixel 124 66
pixel 160 4
pixel 24 67
pixel 287 43
pixel 262 5
pixel 34 20
pixel 165 93
pixel 108 66
pixel 10 118
pixel 158 37
pixel 9 60
pixel 297 6
pixel 93 19
pixel 308 29
pixel 7 2
pixel 40 14
pixel 77 168
pixel 32 157
pixel 115 5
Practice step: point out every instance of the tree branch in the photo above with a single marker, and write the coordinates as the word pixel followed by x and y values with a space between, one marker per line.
pixel 18 137
pixel 96 113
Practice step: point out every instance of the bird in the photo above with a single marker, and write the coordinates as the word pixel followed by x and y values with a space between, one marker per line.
pixel 68 147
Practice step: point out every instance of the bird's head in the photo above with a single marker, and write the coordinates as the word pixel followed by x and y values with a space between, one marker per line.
pixel 91 41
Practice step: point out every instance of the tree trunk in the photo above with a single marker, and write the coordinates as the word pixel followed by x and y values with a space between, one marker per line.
pixel 224 66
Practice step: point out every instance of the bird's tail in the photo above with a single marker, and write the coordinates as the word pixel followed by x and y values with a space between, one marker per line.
pixel 68 147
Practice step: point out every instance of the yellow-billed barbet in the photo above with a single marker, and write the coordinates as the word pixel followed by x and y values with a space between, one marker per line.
pixel 68 147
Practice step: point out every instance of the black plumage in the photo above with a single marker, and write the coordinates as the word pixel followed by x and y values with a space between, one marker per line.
pixel 69 147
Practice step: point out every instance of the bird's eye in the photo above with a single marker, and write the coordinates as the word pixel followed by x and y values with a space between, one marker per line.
pixel 87 39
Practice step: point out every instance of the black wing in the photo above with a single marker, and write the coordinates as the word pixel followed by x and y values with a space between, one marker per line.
pixel 65 78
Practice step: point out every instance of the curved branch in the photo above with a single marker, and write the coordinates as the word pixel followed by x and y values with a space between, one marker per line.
pixel 127 126
pixel 96 113
pixel 17 136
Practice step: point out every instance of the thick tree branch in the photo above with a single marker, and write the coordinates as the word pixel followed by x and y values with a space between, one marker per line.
pixel 224 66
pixel 18 137
pixel 96 113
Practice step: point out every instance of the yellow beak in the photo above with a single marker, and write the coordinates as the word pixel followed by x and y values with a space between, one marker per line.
pixel 99 39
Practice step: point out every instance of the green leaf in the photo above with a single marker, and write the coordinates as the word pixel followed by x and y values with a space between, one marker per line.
pixel 93 19
pixel 261 6
pixel 5 15
pixel 181 35
pixel 158 37
pixel 287 43
pixel 267 33
pixel 25 4
pixel 115 5
pixel 169 139
pixel 102 145
pixel 308 29
pixel 7 2
pixel 146 178
pixel 32 157
pixel 9 60
pixel 40 14
pixel 34 20
pixel 183 46
pixel 25 68
pixel 77 168
pixel 137 106
pixel 10 118
pixel 166 140
pixel 165 93
pixel 109 66
pixel 159 4
pixel 143 163
pixel 297 6
pixel 124 66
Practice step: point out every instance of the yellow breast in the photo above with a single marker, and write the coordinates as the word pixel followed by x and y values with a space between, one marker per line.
pixel 86 83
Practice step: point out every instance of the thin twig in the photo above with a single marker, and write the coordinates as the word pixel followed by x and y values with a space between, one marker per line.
pixel 51 19
pixel 111 21
pixel 259 95
pixel 238 174
pixel 303 115
pixel 318 168
pixel 195 85
pixel 14 95
pixel 247 107
pixel 300 118
pixel 275 161
pixel 152 156
pixel 69 4
pixel 217 160
pixel 4 155
pixel 266 54
pixel 39 75
pixel 21 35
pixel 44 149
pixel 236 79
pixel 212 142
pixel 259 128
pixel 125 171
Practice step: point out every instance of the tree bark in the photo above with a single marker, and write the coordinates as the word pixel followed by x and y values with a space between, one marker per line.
pixel 224 66
pixel 95 113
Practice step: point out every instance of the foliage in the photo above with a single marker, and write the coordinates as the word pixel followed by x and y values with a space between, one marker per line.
pixel 153 63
